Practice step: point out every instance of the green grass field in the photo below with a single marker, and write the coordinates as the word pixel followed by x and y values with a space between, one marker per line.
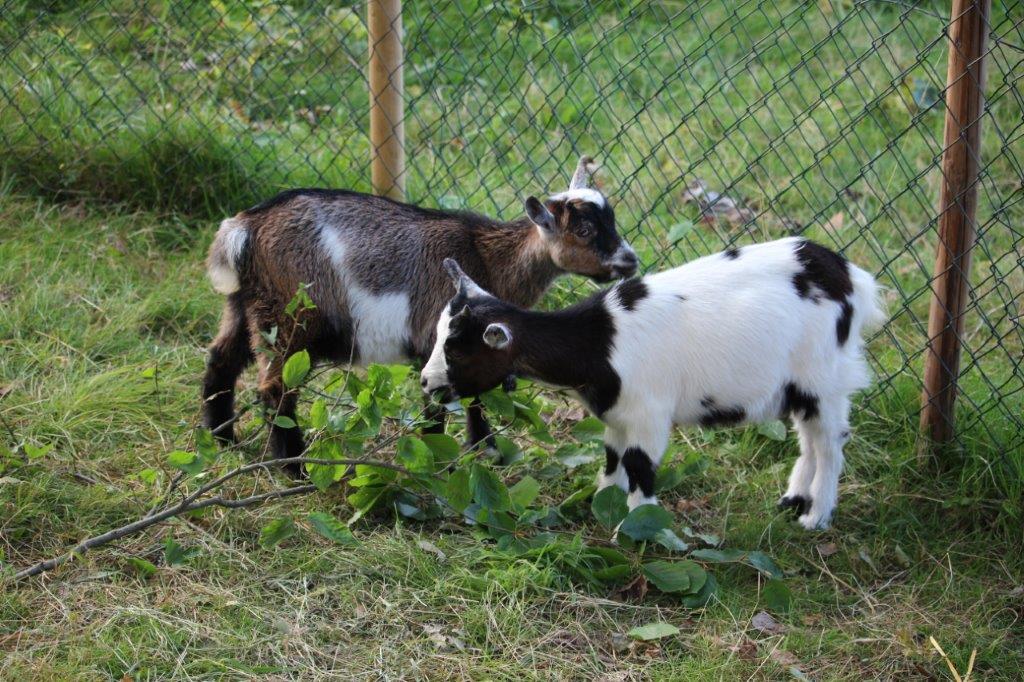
pixel 112 180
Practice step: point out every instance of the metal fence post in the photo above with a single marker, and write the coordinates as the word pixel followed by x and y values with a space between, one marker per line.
pixel 387 130
pixel 958 201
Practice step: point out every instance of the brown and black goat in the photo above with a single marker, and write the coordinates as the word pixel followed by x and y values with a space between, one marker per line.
pixel 372 267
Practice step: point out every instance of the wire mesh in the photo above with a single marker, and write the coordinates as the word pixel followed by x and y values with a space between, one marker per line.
pixel 716 123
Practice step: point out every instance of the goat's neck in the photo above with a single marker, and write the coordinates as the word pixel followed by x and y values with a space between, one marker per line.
pixel 519 264
pixel 567 348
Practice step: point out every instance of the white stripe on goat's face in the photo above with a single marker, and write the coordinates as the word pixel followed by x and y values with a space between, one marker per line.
pixel 380 322
pixel 435 373
pixel 581 194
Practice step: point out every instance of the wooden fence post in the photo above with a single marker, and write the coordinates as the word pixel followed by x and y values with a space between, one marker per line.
pixel 958 201
pixel 387 115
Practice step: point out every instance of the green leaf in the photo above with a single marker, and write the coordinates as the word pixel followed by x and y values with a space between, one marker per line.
pixel 774 430
pixel 668 576
pixel 458 491
pixel 323 476
pixel 318 414
pixel 295 369
pixel 524 492
pixel 37 451
pixel 444 447
pixel 613 574
pixel 777 596
pixel 206 446
pixel 572 456
pixel 678 231
pixel 148 476
pixel 189 462
pixel 667 538
pixel 284 422
pixel 175 554
pixel 499 402
pixel 676 576
pixel 653 631
pixel 609 506
pixel 141 566
pixel 332 528
pixel 276 531
pixel 488 489
pixel 509 451
pixel 590 428
pixel 415 455
pixel 577 497
pixel 695 601
pixel 497 523
pixel 763 563
pixel 719 556
pixel 758 560
pixel 669 477
pixel 644 522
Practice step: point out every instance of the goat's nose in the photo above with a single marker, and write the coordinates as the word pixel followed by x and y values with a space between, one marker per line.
pixel 423 383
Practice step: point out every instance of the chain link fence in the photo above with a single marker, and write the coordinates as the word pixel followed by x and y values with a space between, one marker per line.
pixel 716 123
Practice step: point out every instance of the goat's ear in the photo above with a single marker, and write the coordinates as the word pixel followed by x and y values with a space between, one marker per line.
pixel 451 266
pixel 497 335
pixel 460 280
pixel 540 215
pixel 458 321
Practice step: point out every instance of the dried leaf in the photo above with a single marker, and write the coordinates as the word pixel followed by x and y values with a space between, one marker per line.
pixel 746 649
pixel 783 657
pixel 764 622
pixel 635 590
pixel 714 205
pixel 827 549
pixel 835 223
pixel 428 546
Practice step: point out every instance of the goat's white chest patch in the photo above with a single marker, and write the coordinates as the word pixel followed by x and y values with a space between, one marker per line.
pixel 380 321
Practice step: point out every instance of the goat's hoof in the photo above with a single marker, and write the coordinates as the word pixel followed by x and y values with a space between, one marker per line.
pixel 798 503
pixel 294 471
pixel 814 521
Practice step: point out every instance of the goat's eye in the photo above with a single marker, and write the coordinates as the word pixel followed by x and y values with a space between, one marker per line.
pixel 584 231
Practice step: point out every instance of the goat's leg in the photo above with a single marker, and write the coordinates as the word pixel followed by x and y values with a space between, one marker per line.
pixel 478 431
pixel 798 492
pixel 831 429
pixel 284 442
pixel 229 354
pixel 614 473
pixel 645 447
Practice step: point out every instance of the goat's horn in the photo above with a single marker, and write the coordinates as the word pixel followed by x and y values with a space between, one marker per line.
pixel 581 179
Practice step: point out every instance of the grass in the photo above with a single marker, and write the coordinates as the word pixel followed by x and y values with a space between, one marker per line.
pixel 106 209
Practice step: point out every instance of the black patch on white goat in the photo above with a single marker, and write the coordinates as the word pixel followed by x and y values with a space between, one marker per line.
pixel 798 403
pixel 631 292
pixel 611 460
pixel 798 503
pixel 640 470
pixel 732 253
pixel 720 416
pixel 821 271
pixel 843 323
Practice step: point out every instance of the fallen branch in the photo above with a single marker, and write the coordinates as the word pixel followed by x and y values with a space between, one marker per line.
pixel 193 502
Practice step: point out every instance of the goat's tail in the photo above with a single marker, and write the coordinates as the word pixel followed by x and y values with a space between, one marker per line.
pixel 869 311
pixel 223 265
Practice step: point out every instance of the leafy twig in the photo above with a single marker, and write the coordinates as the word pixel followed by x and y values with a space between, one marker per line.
pixel 193 502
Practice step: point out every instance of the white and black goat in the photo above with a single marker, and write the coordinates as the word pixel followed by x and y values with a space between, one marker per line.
pixel 373 269
pixel 747 335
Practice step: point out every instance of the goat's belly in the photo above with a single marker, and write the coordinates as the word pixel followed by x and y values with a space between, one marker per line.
pixel 381 326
